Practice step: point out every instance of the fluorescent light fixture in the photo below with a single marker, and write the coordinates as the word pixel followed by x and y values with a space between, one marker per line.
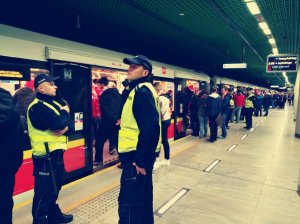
pixel 275 51
pixel 267 31
pixel 272 41
pixel 274 86
pixel 284 74
pixel 253 7
pixel 263 25
pixel 235 65
pixel 248 0
pixel 181 14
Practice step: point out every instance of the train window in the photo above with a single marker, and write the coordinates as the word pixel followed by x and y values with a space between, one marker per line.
pixel 118 76
pixel 14 85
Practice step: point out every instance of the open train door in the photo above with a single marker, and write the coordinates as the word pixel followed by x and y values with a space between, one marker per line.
pixel 181 109
pixel 74 85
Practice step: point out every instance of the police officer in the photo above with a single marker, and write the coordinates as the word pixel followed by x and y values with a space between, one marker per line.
pixel 48 123
pixel 249 105
pixel 138 141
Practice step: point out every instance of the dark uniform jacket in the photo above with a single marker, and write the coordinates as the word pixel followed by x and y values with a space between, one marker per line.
pixel 11 138
pixel 147 118
pixel 44 118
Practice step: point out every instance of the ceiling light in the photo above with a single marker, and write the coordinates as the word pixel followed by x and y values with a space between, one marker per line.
pixel 181 14
pixel 263 25
pixel 248 0
pixel 275 51
pixel 253 7
pixel 272 41
pixel 267 31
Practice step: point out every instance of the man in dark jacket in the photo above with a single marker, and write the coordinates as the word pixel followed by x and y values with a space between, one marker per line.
pixel 11 153
pixel 225 108
pixel 110 104
pixel 138 141
pixel 267 100
pixel 214 109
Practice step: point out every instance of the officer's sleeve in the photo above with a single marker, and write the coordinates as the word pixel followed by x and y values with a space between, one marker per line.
pixel 147 119
pixel 44 118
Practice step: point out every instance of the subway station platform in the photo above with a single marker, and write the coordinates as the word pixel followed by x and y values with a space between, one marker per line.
pixel 251 177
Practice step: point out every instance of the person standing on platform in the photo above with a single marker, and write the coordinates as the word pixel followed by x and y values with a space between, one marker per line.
pixel 239 102
pixel 138 143
pixel 225 108
pixel 214 109
pixel 267 102
pixel 164 101
pixel 48 122
pixel 11 140
pixel 249 105
pixel 110 104
pixel 203 114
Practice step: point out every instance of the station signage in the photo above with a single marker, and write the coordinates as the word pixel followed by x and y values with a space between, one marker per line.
pixel 282 63
pixel 8 72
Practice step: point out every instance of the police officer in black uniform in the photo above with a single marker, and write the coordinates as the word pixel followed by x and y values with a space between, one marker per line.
pixel 138 142
pixel 48 122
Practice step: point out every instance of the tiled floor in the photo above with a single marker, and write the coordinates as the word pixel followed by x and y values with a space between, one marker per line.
pixel 254 183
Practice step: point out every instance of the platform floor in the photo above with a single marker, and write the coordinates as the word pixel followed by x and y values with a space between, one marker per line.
pixel 254 182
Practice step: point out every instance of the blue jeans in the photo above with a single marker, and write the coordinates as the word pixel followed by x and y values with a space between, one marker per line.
pixel 223 125
pixel 203 121
pixel 237 113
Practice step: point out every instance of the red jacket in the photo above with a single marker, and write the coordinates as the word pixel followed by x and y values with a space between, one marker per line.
pixel 95 101
pixel 239 100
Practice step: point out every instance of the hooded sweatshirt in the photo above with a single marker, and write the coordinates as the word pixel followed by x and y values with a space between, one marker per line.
pixel 213 105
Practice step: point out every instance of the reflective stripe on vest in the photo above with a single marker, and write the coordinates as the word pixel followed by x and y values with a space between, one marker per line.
pixel 248 103
pixel 39 137
pixel 129 132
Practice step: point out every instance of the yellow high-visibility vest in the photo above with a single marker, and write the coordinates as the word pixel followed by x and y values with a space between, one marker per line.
pixel 39 137
pixel 248 102
pixel 129 132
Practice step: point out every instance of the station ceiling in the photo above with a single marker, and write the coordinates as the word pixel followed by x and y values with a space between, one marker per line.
pixel 196 34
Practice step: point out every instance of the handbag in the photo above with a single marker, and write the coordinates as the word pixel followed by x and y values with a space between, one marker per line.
pixel 219 119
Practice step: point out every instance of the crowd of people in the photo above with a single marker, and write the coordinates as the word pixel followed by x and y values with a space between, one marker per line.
pixel 219 108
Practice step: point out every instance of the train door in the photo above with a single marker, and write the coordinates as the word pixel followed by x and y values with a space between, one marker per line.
pixel 167 86
pixel 74 86
pixel 181 109
pixel 115 78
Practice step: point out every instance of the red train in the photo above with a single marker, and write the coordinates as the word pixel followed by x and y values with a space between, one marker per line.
pixel 24 54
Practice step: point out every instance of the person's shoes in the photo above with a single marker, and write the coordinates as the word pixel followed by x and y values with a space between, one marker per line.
pixel 200 136
pixel 245 127
pixel 221 137
pixel 120 166
pixel 210 140
pixel 165 162
pixel 62 218
pixel 227 127
pixel 156 165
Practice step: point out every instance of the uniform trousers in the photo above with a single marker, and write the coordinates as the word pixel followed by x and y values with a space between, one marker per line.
pixel 136 196
pixel 44 205
pixel 248 115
